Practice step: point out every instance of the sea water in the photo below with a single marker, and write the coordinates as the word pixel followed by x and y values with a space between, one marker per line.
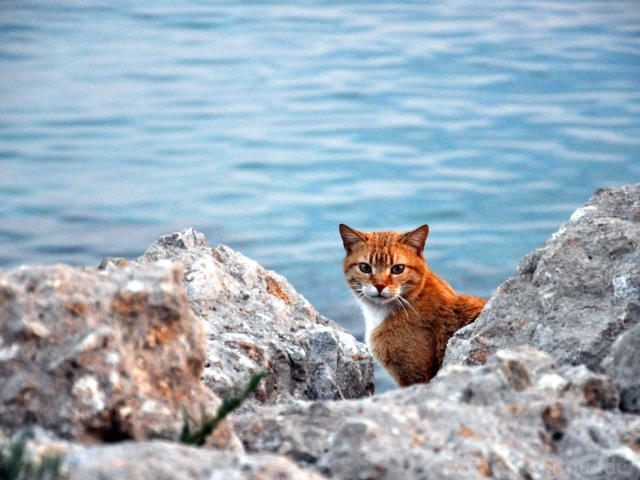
pixel 266 124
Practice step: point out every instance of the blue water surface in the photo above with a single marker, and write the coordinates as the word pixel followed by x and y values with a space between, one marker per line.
pixel 265 124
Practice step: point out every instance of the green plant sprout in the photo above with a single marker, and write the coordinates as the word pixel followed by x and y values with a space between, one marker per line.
pixel 209 423
pixel 15 465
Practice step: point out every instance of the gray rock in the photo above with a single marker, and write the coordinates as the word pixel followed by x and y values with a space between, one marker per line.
pixel 169 461
pixel 515 413
pixel 598 390
pixel 623 364
pixel 572 297
pixel 518 416
pixel 257 321
pixel 100 356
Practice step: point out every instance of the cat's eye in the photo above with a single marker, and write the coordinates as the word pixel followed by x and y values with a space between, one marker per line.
pixel 397 269
pixel 365 268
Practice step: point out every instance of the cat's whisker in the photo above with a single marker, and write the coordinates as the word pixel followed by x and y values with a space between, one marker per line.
pixel 403 302
pixel 349 292
pixel 358 294
pixel 397 299
pixel 358 291
pixel 408 303
pixel 411 306
pixel 355 286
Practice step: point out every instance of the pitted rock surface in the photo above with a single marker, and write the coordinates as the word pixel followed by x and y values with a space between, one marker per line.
pixel 572 297
pixel 566 409
pixel 99 356
pixel 257 321
pixel 623 365
pixel 518 416
pixel 170 461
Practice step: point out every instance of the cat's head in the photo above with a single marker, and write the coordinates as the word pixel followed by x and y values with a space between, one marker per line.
pixel 382 266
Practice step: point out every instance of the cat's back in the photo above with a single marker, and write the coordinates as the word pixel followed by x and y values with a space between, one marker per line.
pixel 468 308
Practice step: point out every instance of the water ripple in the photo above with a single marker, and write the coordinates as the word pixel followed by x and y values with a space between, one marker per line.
pixel 266 125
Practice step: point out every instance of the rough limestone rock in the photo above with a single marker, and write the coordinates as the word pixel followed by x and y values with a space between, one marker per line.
pixel 517 417
pixel 571 298
pixel 100 356
pixel 623 364
pixel 257 321
pixel 169 461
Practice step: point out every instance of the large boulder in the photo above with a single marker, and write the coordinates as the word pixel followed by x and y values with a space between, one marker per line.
pixel 516 417
pixel 501 408
pixel 257 321
pixel 572 297
pixel 100 356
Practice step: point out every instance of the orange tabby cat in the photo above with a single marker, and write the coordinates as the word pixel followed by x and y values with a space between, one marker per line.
pixel 410 313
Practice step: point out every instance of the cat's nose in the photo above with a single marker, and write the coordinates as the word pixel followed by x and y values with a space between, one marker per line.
pixel 379 287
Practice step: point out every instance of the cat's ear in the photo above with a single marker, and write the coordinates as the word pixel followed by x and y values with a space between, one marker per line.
pixel 350 237
pixel 417 238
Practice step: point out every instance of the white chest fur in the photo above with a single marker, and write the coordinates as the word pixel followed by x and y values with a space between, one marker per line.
pixel 374 315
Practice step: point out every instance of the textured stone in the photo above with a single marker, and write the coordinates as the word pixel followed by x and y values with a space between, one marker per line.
pixel 501 413
pixel 99 356
pixel 572 297
pixel 169 461
pixel 518 416
pixel 598 390
pixel 257 321
pixel 514 413
pixel 623 364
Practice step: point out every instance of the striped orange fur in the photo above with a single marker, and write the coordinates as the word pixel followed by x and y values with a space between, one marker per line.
pixel 410 312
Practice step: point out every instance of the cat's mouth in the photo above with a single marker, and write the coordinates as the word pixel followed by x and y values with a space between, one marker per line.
pixel 379 298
